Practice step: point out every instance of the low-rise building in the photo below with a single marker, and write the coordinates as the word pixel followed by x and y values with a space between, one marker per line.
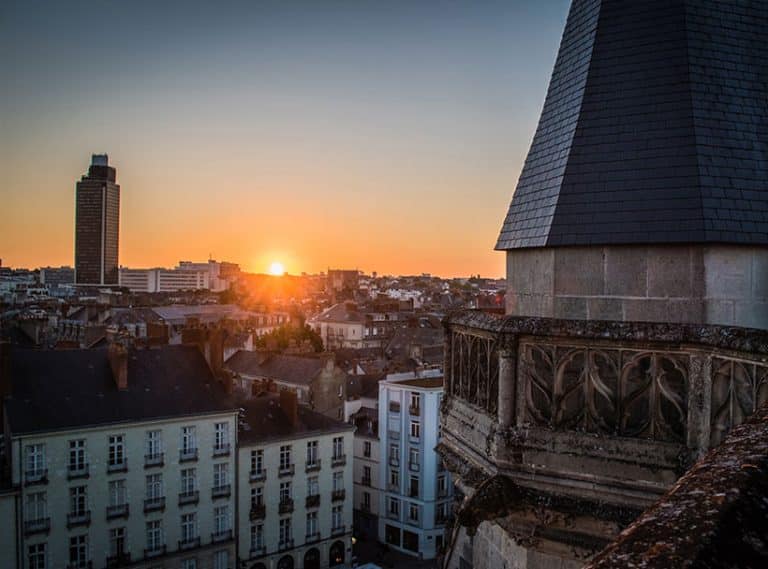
pixel 294 485
pixel 417 492
pixel 119 457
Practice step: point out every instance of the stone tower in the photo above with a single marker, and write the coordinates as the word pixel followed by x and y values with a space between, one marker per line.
pixel 637 298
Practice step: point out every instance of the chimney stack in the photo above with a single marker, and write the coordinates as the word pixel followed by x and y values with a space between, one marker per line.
pixel 290 406
pixel 118 362
pixel 216 351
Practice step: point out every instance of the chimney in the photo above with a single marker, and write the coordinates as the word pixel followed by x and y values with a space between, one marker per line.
pixel 118 362
pixel 290 406
pixel 215 351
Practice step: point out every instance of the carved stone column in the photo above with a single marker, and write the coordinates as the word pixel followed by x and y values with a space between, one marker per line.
pixel 507 381
pixel 699 403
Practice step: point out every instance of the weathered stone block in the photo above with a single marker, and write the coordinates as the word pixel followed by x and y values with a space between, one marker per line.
pixel 531 271
pixel 570 307
pixel 626 271
pixel 605 309
pixel 760 274
pixel 579 271
pixel 670 272
pixel 728 272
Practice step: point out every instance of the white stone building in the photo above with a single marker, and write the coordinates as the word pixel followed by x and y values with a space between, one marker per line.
pixel 119 457
pixel 417 493
pixel 367 476
pixel 294 486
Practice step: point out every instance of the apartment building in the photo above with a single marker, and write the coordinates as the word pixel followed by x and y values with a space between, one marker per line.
pixel 119 457
pixel 417 492
pixel 367 485
pixel 294 485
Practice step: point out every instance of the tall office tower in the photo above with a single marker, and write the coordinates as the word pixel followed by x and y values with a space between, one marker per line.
pixel 97 224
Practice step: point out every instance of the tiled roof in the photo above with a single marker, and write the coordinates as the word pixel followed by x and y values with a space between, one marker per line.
pixel 298 370
pixel 654 129
pixel 58 389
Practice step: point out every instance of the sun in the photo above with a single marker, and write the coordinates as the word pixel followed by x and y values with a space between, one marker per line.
pixel 277 269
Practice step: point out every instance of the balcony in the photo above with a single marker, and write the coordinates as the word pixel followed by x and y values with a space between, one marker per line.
pixel 339 460
pixel 219 536
pixel 189 498
pixel 313 501
pixel 223 449
pixel 288 470
pixel 414 410
pixel 285 544
pixel 154 459
pixel 413 466
pixel 38 476
pixel 189 543
pixel 40 525
pixel 223 491
pixel 119 560
pixel 118 466
pixel 393 515
pixel 413 493
pixel 259 551
pixel 258 512
pixel 117 511
pixel 393 435
pixel 414 438
pixel 258 475
pixel 286 506
pixel 338 495
pixel 313 466
pixel 394 461
pixel 155 551
pixel 76 471
pixel 338 530
pixel 80 565
pixel 154 504
pixel 394 407
pixel 393 488
pixel 312 537
pixel 366 482
pixel 188 454
pixel 79 519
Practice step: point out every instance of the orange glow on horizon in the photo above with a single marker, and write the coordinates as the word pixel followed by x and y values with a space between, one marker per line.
pixel 276 269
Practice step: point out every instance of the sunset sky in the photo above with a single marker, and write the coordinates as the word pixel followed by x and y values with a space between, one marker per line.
pixel 381 135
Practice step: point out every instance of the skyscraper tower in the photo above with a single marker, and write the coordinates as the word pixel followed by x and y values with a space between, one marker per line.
pixel 97 224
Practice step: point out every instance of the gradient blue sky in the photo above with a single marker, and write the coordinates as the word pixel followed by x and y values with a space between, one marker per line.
pixel 382 135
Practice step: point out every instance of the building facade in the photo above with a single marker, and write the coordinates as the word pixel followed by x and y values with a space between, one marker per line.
pixel 294 483
pixel 97 224
pixel 417 492
pixel 367 475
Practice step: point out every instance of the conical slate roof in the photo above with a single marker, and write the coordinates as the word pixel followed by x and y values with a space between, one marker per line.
pixel 654 128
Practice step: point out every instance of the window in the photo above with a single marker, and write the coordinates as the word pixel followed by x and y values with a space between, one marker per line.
pixel 313 486
pixel 35 462
pixel 221 519
pixel 415 402
pixel 221 559
pixel 337 517
pixel 78 551
pixel 38 556
pixel 36 507
pixel 285 491
pixel 257 461
pixel 394 451
pixel 441 513
pixel 116 451
pixel 188 527
pixel 367 449
pixel 338 447
pixel 394 478
pixel 413 457
pixel 221 437
pixel 77 456
pixel 285 457
pixel 257 496
pixel 257 536
pixel 116 542
pixel 414 486
pixel 338 481
pixel 312 452
pixel 415 429
pixel 285 531
pixel 188 480
pixel 155 538
pixel 413 512
pixel 189 564
pixel 394 507
pixel 367 475
pixel 117 493
pixel 154 486
pixel 311 524
pixel 154 445
pixel 442 486
pixel 78 501
pixel 367 500
pixel 220 475
pixel 188 440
